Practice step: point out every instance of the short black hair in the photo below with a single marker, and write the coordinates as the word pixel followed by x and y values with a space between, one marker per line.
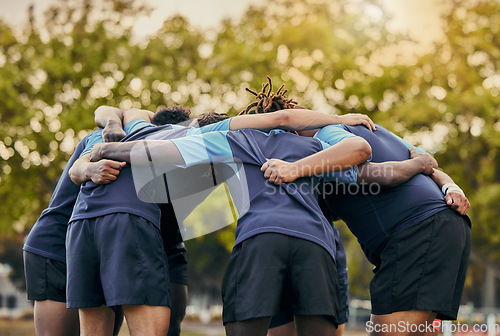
pixel 171 115
pixel 210 118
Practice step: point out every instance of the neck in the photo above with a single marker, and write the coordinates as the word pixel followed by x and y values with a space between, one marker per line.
pixel 308 133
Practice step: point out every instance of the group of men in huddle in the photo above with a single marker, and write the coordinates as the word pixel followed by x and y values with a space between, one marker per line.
pixel 101 250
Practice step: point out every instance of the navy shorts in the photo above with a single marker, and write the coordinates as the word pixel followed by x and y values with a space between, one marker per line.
pixel 174 245
pixel 177 265
pixel 341 264
pixel 45 278
pixel 116 259
pixel 423 267
pixel 270 273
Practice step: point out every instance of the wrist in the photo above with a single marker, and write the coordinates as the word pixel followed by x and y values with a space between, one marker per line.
pixel 113 122
pixel 420 163
pixel 296 170
pixel 449 187
pixel 90 171
pixel 336 119
pixel 102 150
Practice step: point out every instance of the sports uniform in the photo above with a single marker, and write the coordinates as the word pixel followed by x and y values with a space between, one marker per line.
pixel 44 250
pixel 419 246
pixel 115 249
pixel 283 242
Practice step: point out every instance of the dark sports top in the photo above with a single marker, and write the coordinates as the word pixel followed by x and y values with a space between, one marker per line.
pixel 373 217
pixel 290 209
pixel 95 200
pixel 48 235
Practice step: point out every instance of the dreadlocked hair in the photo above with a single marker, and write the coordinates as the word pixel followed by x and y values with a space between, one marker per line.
pixel 211 118
pixel 171 115
pixel 268 101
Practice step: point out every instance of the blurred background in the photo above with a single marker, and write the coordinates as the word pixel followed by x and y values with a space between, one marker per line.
pixel 427 70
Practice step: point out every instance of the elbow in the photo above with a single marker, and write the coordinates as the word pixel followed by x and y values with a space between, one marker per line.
pixel 363 150
pixel 282 118
pixel 98 110
pixel 101 110
pixel 74 176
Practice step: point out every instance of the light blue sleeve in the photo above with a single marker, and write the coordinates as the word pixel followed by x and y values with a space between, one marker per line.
pixel 93 139
pixel 204 148
pixel 136 124
pixel 218 126
pixel 407 144
pixel 333 134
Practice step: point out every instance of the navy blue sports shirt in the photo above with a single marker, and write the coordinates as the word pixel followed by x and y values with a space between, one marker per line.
pixel 97 200
pixel 48 235
pixel 291 208
pixel 374 217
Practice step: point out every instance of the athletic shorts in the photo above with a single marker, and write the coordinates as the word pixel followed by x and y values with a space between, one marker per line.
pixel 45 278
pixel 174 245
pixel 423 267
pixel 269 273
pixel 341 264
pixel 177 266
pixel 117 259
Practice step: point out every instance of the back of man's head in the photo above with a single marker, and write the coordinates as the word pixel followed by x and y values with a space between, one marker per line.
pixel 171 115
pixel 267 101
pixel 210 118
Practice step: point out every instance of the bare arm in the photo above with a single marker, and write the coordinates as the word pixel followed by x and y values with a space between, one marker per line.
pixel 346 154
pixel 394 173
pixel 296 119
pixel 133 113
pixel 113 119
pixel 110 118
pixel 102 172
pixel 454 196
pixel 156 151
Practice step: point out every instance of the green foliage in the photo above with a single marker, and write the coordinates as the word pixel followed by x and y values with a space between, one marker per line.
pixel 82 56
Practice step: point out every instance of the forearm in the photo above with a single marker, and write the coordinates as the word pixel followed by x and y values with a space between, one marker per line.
pixel 141 152
pixel 79 172
pixel 113 151
pixel 105 115
pixel 301 119
pixel 441 178
pixel 390 173
pixel 347 154
pixel 133 113
pixel 454 196
pixel 290 119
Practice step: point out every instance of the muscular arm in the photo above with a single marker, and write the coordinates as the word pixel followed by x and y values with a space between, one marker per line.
pixel 144 151
pixel 113 119
pixel 102 172
pixel 133 113
pixel 296 119
pixel 394 173
pixel 110 119
pixel 346 154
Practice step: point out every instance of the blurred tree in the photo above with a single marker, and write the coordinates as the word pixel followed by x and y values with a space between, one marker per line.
pixel 453 102
pixel 329 53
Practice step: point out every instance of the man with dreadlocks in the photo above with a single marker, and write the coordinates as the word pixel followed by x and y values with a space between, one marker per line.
pixel 419 232
pixel 281 235
pixel 100 203
pixel 266 102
